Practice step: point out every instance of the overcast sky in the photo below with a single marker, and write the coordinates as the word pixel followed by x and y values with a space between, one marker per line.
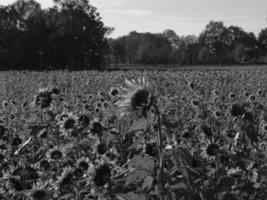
pixel 183 16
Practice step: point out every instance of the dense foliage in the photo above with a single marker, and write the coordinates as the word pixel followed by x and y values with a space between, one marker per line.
pixel 97 135
pixel 217 44
pixel 69 35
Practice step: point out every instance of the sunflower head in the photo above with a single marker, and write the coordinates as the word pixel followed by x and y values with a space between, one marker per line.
pixel 212 149
pixel 237 110
pixel 136 96
pixel 83 121
pixel 40 191
pixel 102 175
pixel 5 104
pixel 65 179
pixel 54 154
pixel 67 122
pixel 97 127
pixel 83 163
pixel 44 98
pixel 113 92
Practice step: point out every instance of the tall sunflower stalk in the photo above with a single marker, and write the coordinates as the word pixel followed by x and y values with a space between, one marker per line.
pixel 138 98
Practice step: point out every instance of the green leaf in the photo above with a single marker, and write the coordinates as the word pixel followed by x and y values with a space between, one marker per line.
pixel 111 138
pixel 147 184
pixel 130 196
pixel 142 167
pixel 139 162
pixel 178 186
pixel 36 129
pixel 138 125
pixel 137 142
pixel 66 197
pixel 136 176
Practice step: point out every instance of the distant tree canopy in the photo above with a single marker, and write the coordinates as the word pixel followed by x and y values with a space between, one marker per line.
pixel 217 44
pixel 72 35
pixel 69 35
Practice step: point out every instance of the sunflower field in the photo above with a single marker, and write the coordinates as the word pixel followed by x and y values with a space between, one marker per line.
pixel 133 135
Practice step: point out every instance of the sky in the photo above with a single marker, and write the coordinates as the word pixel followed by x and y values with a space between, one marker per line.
pixel 183 16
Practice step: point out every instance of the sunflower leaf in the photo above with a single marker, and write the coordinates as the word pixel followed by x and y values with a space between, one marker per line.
pixel 66 197
pixel 36 129
pixel 138 125
pixel 130 196
pixel 142 167
pixel 148 182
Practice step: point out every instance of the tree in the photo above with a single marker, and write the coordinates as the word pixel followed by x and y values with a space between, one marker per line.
pixel 216 38
pixel 70 34
pixel 240 54
pixel 263 40
pixel 205 56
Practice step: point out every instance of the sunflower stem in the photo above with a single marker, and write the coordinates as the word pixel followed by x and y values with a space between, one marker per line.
pixel 161 172
pixel 41 112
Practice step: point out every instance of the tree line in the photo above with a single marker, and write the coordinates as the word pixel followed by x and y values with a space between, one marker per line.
pixel 217 44
pixel 72 35
pixel 69 35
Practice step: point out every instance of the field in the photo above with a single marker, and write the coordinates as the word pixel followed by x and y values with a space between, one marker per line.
pixel 134 135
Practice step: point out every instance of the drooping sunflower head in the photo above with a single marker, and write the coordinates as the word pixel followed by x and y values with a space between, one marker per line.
pixel 40 191
pixel 65 179
pixel 137 95
pixel 102 175
pixel 83 121
pixel 43 98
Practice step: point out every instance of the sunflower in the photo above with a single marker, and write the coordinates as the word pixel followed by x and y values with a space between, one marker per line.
pixel 98 104
pixel 67 123
pixel 44 164
pixel 232 95
pixel 105 105
pixel 83 163
pixel 44 98
pixel 54 154
pixel 136 96
pixel 16 141
pixel 251 98
pixel 113 92
pixel 97 127
pixel 65 179
pixel 102 175
pixel 5 104
pixel 3 133
pixel 83 121
pixel 209 150
pixel 40 191
pixel 101 148
pixel 90 97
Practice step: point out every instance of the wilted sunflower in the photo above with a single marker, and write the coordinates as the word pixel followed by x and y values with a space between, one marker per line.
pixel 44 98
pixel 97 127
pixel 83 121
pixel 102 175
pixel 65 178
pixel 135 96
